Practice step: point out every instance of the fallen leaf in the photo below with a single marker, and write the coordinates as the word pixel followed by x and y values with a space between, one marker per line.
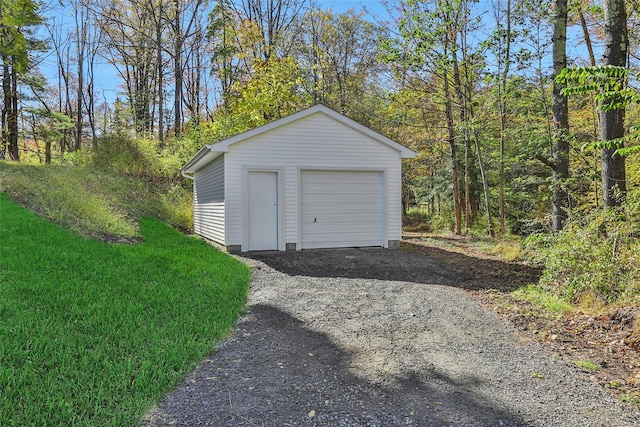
pixel 312 413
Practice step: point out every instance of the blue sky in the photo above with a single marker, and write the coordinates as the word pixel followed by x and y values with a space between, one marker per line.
pixel 108 84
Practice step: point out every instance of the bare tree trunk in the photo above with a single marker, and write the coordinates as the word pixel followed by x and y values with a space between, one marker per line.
pixel 6 90
pixel 560 120
pixel 177 63
pixel 467 142
pixel 160 70
pixel 614 184
pixel 91 95
pixel 468 221
pixel 451 139
pixel 503 115
pixel 596 124
pixel 12 114
pixel 47 151
pixel 465 92
pixel 81 43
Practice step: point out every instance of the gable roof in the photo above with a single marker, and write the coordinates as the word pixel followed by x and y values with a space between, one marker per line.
pixel 210 152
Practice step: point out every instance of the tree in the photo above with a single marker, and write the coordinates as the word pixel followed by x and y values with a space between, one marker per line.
pixel 130 44
pixel 272 93
pixel 616 41
pixel 245 34
pixel 272 19
pixel 221 35
pixel 49 126
pixel 15 18
pixel 339 55
pixel 504 36
pixel 427 47
pixel 560 119
pixel 184 21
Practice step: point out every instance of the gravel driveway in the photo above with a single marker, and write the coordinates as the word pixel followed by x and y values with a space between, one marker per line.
pixel 324 343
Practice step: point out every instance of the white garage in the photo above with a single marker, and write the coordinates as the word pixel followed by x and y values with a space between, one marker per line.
pixel 315 179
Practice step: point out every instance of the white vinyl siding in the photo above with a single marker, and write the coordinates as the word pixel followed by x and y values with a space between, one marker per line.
pixel 209 201
pixel 340 209
pixel 315 142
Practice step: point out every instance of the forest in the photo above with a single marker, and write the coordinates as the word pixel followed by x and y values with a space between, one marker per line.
pixel 524 113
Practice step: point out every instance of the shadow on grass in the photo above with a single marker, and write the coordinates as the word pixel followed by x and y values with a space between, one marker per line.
pixel 274 371
pixel 413 263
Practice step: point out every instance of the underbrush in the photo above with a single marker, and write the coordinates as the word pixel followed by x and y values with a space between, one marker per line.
pixel 595 261
pixel 143 158
pixel 417 219
pixel 548 303
pixel 94 333
pixel 96 203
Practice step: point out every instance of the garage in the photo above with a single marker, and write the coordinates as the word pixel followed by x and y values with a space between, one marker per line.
pixel 313 179
pixel 341 209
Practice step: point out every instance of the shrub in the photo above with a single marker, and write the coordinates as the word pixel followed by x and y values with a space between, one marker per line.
pixel 595 261
pixel 417 220
pixel 123 155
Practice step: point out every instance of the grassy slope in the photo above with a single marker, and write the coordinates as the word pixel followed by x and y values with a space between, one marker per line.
pixel 94 333
pixel 94 203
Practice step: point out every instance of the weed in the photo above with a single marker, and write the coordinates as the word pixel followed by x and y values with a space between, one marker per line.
pixel 631 398
pixel 587 365
pixel 594 261
pixel 507 250
pixel 542 299
pixel 95 204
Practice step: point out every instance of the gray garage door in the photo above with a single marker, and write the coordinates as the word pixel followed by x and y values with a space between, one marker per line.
pixel 341 209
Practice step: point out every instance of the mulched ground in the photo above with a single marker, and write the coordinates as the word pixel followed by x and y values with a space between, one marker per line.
pixel 608 339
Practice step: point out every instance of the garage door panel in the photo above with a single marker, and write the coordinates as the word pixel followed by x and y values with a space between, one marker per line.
pixel 341 209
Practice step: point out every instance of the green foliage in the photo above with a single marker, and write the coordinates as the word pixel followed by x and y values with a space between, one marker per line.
pixel 418 220
pixel 51 125
pixel 96 204
pixel 507 249
pixel 125 156
pixel 595 261
pixel 421 220
pixel 144 158
pixel 631 398
pixel 271 93
pixel 609 86
pixel 608 83
pixel 587 365
pixel 15 15
pixel 547 302
pixel 93 334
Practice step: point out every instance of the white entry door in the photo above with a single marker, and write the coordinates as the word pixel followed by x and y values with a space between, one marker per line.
pixel 263 211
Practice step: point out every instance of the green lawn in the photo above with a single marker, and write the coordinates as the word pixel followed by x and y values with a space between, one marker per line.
pixel 93 333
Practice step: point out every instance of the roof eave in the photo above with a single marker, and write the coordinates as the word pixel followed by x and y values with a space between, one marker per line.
pixel 206 155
